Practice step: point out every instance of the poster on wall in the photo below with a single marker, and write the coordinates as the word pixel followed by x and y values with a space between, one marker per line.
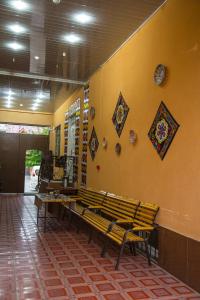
pixel 163 130
pixel 120 114
pixel 85 136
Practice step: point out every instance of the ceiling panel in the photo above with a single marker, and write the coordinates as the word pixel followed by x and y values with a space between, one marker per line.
pixel 46 26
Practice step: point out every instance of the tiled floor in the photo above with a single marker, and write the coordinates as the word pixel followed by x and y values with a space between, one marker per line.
pixel 59 264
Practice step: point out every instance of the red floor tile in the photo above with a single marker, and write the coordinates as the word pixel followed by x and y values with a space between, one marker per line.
pixel 118 275
pixel 127 284
pixel 115 296
pixel 97 277
pixel 52 282
pixel 59 292
pixel 138 295
pixel 84 289
pixel 88 298
pixel 49 273
pixel 102 287
pixel 30 294
pixel 70 272
pixel 76 280
pixel 160 292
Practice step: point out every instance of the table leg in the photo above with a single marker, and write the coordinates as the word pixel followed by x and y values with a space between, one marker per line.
pixel 45 216
pixel 38 215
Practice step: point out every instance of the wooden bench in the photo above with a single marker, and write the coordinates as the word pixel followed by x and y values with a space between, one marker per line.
pixel 85 198
pixel 119 219
pixel 113 208
pixel 143 222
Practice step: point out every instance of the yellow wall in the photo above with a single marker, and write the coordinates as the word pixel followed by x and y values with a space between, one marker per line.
pixel 171 37
pixel 24 117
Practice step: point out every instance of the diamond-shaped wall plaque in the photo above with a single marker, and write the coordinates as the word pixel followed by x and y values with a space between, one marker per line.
pixel 163 130
pixel 120 114
pixel 93 144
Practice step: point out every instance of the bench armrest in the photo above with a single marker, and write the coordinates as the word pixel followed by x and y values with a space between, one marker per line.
pixel 94 206
pixel 91 207
pixel 123 221
pixel 143 228
pixel 119 221
pixel 68 203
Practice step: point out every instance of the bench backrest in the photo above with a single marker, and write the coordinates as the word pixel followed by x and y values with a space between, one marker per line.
pixel 91 197
pixel 145 214
pixel 117 207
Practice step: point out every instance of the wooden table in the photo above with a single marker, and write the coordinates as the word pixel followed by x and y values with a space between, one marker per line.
pixel 43 200
pixel 52 185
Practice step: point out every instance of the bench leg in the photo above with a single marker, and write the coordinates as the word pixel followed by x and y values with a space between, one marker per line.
pixel 63 213
pixel 147 252
pixel 45 216
pixel 38 212
pixel 70 220
pixel 134 249
pixel 120 254
pixel 103 252
pixel 77 228
pixel 90 237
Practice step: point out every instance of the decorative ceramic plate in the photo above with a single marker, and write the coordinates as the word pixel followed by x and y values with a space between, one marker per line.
pixel 160 74
pixel 132 137
pixel 104 143
pixel 118 148
pixel 92 112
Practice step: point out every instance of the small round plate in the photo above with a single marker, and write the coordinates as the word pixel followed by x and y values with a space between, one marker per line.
pixel 160 74
pixel 132 137
pixel 118 148
pixel 92 112
pixel 104 143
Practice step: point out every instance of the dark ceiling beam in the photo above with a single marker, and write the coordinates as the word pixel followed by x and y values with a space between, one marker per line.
pixel 40 77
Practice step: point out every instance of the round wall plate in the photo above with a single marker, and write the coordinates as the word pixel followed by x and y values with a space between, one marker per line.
pixel 104 143
pixel 160 74
pixel 92 112
pixel 118 148
pixel 132 136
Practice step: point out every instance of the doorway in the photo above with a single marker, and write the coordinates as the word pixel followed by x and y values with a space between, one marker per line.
pixel 13 147
pixel 33 158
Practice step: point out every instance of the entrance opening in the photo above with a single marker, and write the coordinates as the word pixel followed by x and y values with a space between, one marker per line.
pixel 32 167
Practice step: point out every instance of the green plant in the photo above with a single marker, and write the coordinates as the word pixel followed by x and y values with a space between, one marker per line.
pixel 33 158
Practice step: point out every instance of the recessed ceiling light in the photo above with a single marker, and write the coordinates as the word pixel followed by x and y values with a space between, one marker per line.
pixel 8 105
pixel 37 101
pixel 41 95
pixel 17 28
pixel 35 106
pixel 36 82
pixel 9 92
pixel 15 46
pixel 72 38
pixel 20 5
pixel 56 1
pixel 83 18
pixel 9 98
pixel 36 57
